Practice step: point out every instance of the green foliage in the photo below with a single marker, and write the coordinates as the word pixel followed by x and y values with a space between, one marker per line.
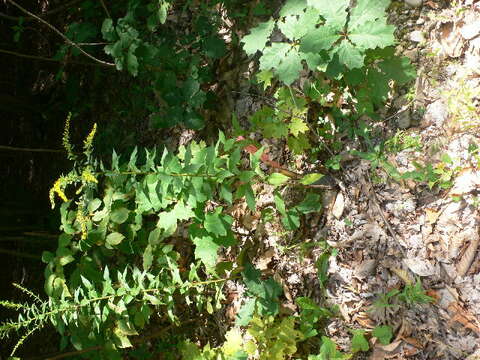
pixel 383 334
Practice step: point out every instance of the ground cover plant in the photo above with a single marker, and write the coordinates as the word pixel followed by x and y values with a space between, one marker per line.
pixel 150 236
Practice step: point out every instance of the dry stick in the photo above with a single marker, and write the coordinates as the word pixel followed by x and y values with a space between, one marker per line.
pixel 374 198
pixel 106 9
pixel 41 58
pixel 11 148
pixel 70 42
pixel 51 12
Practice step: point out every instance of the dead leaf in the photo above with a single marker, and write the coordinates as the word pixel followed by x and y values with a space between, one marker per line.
pixel 467 258
pixel 265 259
pixel 463 317
pixel 402 274
pixel 448 35
pixel 419 266
pixel 431 215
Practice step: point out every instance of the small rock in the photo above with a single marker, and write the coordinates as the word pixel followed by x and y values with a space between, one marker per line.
pixel 417 36
pixel 414 3
pixel 420 21
pixel 436 114
pixel 404 120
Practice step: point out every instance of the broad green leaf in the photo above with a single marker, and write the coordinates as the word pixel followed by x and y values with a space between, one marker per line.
pixel 334 12
pixel 245 314
pixel 298 126
pixel 284 59
pixel 311 203
pixel 119 215
pixel 147 257
pixel 206 250
pixel 265 77
pixel 277 179
pixel 163 11
pixel 359 343
pixel 94 205
pixel 399 69
pixel 372 34
pixel 213 224
pixel 132 61
pixel 298 144
pixel 291 221
pixel 295 27
pixel 349 55
pixel 279 203
pixel 258 37
pixel 383 334
pixel 367 10
pixel 311 178
pixel 114 238
pixel 293 7
pixel 319 39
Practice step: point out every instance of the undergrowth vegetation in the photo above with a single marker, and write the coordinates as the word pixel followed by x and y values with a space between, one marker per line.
pixel 149 237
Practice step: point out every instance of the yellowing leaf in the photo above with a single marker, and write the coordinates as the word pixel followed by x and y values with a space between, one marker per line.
pixel 233 342
pixel 298 126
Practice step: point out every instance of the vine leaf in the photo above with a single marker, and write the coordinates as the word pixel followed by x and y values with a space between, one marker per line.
pixel 367 10
pixel 372 34
pixel 334 12
pixel 319 39
pixel 258 37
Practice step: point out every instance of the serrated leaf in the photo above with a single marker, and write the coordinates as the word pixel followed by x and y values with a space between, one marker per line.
pixel 298 126
pixel 293 7
pixel 245 314
pixel 258 37
pixel 349 55
pixel 284 59
pixel 217 223
pixel 298 144
pixel 399 69
pixel 359 343
pixel 114 238
pixel 367 10
pixel 295 27
pixel 277 179
pixel 383 334
pixel 372 34
pixel 319 39
pixel 206 250
pixel 120 215
pixel 265 77
pixel 334 12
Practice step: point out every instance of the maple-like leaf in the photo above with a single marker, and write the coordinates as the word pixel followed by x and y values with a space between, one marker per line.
pixel 334 12
pixel 367 10
pixel 372 34
pixel 319 39
pixel 296 26
pixel 349 55
pixel 258 37
pixel 298 126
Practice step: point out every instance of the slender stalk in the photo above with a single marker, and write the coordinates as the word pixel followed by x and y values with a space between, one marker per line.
pixel 12 148
pixel 70 42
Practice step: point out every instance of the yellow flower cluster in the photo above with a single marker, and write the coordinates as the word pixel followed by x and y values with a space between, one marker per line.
pixel 82 220
pixel 66 138
pixel 58 188
pixel 88 176
pixel 87 143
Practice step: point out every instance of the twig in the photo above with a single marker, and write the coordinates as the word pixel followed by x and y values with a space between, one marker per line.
pixel 11 148
pixel 70 42
pixel 106 9
pixel 41 58
pixel 51 12
pixel 373 197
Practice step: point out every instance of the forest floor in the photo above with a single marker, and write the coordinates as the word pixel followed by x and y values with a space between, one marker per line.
pixel 422 231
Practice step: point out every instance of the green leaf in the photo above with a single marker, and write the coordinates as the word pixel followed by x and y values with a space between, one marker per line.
pixel 367 10
pixel 213 223
pixel 147 257
pixel 359 343
pixel 311 203
pixel 334 12
pixel 119 215
pixel 399 69
pixel 284 59
pixel 295 27
pixel 279 203
pixel 277 179
pixel 245 314
pixel 372 34
pixel 298 144
pixel 132 61
pixel 206 250
pixel 319 39
pixel 298 126
pixel 108 31
pixel 258 37
pixel 233 342
pixel 265 77
pixel 349 55
pixel 163 11
pixel 293 7
pixel 311 178
pixel 114 239
pixel 383 334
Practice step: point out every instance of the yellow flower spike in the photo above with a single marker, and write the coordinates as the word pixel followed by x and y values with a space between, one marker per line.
pixel 87 143
pixel 88 176
pixel 66 138
pixel 82 220
pixel 57 189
